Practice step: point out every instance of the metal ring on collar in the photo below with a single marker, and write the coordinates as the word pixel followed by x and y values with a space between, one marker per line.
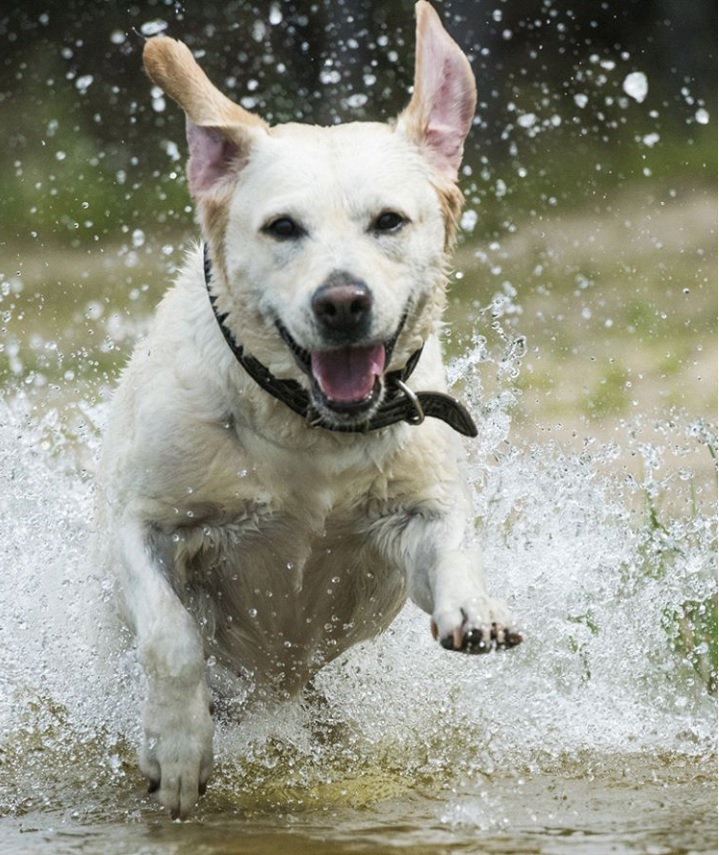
pixel 414 400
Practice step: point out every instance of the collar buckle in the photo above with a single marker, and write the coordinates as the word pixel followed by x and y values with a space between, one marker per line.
pixel 419 415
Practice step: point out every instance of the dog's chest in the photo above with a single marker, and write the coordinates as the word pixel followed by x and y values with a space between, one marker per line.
pixel 278 594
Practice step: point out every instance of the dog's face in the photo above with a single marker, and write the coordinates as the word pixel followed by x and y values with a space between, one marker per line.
pixel 329 243
pixel 339 249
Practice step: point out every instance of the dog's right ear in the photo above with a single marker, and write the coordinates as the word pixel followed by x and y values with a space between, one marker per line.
pixel 219 132
pixel 439 116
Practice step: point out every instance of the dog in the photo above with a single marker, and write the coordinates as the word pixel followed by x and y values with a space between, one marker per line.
pixel 282 466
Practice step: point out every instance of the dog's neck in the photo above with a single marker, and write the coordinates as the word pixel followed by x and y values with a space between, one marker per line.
pixel 401 404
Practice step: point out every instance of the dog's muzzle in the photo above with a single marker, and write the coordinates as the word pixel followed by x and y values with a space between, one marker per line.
pixel 347 382
pixel 349 390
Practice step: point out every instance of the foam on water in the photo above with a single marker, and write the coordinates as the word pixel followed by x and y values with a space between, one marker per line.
pixel 602 587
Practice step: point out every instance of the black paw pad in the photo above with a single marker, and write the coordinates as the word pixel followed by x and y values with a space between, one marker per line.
pixel 475 642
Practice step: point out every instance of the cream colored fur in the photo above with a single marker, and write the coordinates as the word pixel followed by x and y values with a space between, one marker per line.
pixel 233 527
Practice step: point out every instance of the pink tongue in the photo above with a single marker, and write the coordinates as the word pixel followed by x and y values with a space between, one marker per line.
pixel 347 374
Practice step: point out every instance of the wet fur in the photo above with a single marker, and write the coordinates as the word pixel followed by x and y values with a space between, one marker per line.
pixel 232 527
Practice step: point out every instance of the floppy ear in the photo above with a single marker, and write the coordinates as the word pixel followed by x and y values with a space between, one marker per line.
pixel 219 132
pixel 440 113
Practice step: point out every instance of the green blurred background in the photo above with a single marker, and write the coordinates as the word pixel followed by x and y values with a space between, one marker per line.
pixel 590 228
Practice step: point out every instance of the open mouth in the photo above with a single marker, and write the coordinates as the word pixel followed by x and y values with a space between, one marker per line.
pixel 346 380
pixel 349 378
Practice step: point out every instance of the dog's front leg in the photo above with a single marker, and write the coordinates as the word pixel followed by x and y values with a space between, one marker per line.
pixel 464 616
pixel 177 753
pixel 445 578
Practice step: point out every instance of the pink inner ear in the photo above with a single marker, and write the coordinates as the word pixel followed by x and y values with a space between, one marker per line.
pixel 440 113
pixel 211 157
pixel 450 116
pixel 444 148
pixel 451 95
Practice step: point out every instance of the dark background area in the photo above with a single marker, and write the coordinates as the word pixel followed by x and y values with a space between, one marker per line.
pixel 84 146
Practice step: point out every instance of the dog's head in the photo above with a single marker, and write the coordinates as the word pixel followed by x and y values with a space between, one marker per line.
pixel 329 243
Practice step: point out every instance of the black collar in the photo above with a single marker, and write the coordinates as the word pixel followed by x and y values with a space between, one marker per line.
pixel 401 404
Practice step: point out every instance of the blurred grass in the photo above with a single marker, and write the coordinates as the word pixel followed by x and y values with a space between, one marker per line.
pixel 619 310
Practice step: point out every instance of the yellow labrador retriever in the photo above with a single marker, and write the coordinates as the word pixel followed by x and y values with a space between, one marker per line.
pixel 282 466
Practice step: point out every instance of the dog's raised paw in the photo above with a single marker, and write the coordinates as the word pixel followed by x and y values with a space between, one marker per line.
pixel 478 639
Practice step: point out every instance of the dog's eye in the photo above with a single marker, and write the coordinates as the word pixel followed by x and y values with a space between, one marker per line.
pixel 388 221
pixel 283 228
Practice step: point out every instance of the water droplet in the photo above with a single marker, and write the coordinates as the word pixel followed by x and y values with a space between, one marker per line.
pixel 153 28
pixel 82 84
pixel 275 16
pixel 636 85
pixel 469 220
pixel 356 100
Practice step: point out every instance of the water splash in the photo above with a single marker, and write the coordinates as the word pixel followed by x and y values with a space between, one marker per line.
pixel 605 591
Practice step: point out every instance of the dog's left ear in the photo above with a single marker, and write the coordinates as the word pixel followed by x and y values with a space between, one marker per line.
pixel 439 116
pixel 220 133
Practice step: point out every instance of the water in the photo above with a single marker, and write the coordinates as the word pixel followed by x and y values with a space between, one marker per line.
pixel 596 735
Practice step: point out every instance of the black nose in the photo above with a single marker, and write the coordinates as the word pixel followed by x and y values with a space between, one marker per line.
pixel 343 307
